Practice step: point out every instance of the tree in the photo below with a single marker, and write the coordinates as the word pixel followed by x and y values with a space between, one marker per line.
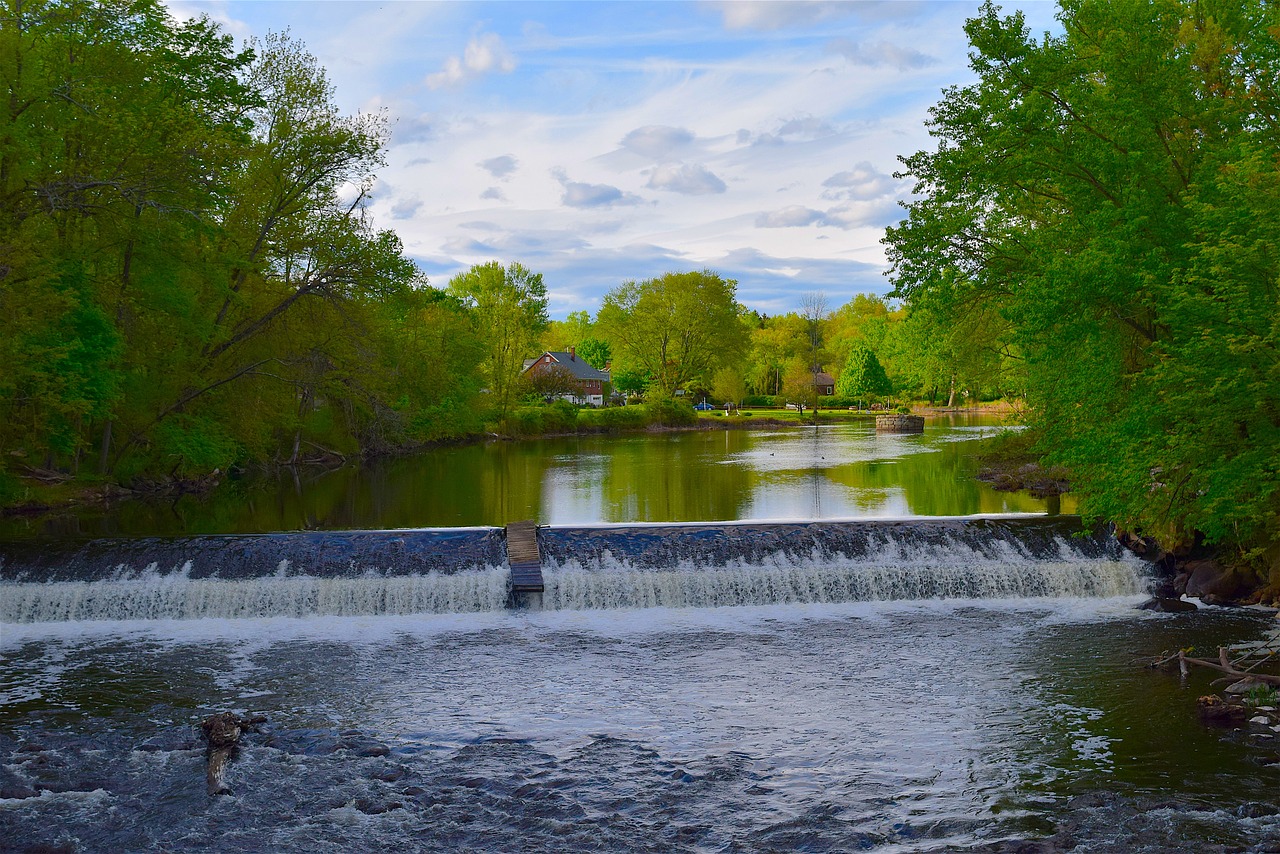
pixel 862 320
pixel 595 352
pixel 729 385
pixel 678 328
pixel 509 306
pixel 188 271
pixel 863 376
pixel 813 308
pixel 1109 193
pixel 117 131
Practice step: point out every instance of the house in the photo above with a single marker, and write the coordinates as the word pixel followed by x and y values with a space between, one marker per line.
pixel 824 382
pixel 582 383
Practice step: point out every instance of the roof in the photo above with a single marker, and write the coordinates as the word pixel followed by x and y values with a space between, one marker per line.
pixel 575 365
pixel 823 378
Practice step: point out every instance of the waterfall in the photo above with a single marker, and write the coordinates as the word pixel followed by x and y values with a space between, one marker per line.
pixel 371 573
pixel 178 597
pixel 612 583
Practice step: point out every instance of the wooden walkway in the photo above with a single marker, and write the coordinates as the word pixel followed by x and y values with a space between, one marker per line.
pixel 524 557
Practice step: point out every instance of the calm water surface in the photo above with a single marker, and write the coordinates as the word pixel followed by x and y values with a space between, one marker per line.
pixel 834 472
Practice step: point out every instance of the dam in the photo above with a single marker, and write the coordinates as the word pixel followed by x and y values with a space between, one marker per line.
pixel 370 573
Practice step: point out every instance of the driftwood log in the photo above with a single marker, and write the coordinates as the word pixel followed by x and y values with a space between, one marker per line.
pixel 1224 665
pixel 222 733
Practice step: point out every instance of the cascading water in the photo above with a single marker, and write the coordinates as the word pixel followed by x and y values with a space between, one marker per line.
pixel 373 573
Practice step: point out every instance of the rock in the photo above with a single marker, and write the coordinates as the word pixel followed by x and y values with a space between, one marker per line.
pixel 1213 709
pixel 1207 577
pixel 1257 810
pixel 1244 686
pixel 1166 606
pixel 1261 720
pixel 1218 601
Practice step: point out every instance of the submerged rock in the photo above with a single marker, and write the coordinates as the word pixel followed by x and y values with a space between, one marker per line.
pixel 1166 605
pixel 1214 709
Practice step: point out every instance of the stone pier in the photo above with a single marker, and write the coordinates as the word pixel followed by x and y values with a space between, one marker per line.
pixel 897 423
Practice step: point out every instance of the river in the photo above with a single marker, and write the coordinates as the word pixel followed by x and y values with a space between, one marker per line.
pixel 831 472
pixel 910 686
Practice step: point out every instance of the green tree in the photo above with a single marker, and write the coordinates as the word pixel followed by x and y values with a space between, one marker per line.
pixel 509 306
pixel 1108 192
pixel 186 276
pixel 678 328
pixel 595 352
pixel 863 376
pixel 729 385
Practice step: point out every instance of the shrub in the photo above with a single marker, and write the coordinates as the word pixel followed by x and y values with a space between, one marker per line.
pixel 10 488
pixel 560 416
pixel 613 419
pixel 192 445
pixel 759 400
pixel 523 421
pixel 671 413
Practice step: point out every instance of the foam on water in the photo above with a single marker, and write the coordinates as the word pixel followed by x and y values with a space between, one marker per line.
pixel 157 597
pixel 894 570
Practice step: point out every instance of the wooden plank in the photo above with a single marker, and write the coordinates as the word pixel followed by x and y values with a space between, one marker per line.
pixel 524 558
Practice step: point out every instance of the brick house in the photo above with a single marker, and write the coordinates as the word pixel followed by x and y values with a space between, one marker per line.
pixel 588 382
pixel 824 383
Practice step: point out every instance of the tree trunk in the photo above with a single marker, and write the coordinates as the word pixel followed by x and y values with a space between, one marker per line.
pixel 104 452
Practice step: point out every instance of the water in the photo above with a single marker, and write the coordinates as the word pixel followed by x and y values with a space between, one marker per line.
pixel 889 726
pixel 835 472
pixel 899 686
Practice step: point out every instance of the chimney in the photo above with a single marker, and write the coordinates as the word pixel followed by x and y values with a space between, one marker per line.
pixel 573 354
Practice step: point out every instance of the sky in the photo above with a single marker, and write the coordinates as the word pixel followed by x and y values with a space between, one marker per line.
pixel 599 143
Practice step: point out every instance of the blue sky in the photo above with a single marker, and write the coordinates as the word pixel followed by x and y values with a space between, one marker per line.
pixel 598 143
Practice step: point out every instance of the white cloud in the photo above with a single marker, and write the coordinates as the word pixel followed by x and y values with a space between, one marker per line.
pixel 780 14
pixel 691 179
pixel 406 208
pixel 880 53
pixel 793 216
pixel 499 167
pixel 861 214
pixel 649 133
pixel 485 53
pixel 657 142
pixel 581 195
pixel 863 181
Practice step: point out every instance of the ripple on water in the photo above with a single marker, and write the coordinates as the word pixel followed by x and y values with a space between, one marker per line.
pixel 885 726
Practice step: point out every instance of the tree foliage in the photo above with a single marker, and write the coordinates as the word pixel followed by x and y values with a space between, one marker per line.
pixel 189 277
pixel 1112 194
pixel 509 307
pixel 678 328
pixel 863 376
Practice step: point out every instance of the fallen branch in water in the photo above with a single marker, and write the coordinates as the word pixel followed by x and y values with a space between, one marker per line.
pixel 222 733
pixel 1224 665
